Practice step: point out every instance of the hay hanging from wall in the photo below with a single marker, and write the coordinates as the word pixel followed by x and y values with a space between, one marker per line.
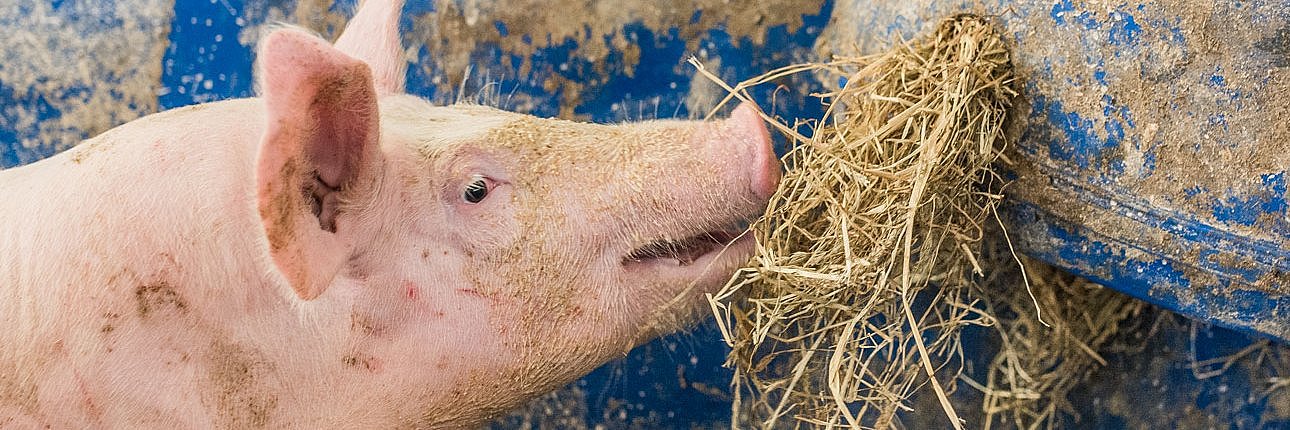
pixel 1039 364
pixel 872 237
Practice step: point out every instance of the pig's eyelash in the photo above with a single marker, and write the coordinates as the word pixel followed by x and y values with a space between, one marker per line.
pixel 476 190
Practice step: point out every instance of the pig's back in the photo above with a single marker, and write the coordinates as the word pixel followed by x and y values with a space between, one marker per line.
pixel 99 234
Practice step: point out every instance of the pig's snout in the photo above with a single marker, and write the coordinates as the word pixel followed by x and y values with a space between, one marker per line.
pixel 745 135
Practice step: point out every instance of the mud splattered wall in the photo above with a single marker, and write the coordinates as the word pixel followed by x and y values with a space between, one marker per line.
pixel 552 58
pixel 74 69
pixel 1153 149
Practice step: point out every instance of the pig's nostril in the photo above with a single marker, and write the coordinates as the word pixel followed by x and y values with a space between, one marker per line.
pixel 755 136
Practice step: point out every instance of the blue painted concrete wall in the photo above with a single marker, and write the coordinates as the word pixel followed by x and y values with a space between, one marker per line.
pixel 1152 156
pixel 1152 151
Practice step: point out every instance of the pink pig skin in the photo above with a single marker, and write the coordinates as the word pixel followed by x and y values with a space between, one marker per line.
pixel 324 257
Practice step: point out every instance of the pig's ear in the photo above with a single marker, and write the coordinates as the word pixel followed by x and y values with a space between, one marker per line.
pixel 373 37
pixel 321 139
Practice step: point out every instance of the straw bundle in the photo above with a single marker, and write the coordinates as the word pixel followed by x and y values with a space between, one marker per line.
pixel 865 270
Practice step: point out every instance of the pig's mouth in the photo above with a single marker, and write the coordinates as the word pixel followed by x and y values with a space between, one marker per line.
pixel 685 251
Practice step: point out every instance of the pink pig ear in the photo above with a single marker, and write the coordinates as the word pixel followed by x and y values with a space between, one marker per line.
pixel 373 37
pixel 321 139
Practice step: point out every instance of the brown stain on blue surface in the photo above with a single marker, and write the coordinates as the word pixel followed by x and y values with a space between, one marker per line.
pixel 1152 154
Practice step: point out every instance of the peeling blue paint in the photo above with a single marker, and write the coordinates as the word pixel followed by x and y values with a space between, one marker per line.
pixel 1063 14
pixel 1247 210
pixel 1078 142
pixel 1219 120
pixel 1059 11
pixel 1217 80
pixel 1108 261
pixel 1079 145
pixel 1124 29
pixel 1148 164
pixel 1081 152
pixel 1178 37
pixel 1117 112
pixel 1100 73
pixel 1118 269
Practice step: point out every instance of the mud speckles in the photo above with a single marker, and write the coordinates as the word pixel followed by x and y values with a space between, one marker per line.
pixel 363 362
pixel 158 297
pixel 16 393
pixel 90 147
pixel 364 324
pixel 282 206
pixel 239 391
pixel 109 322
pixel 471 292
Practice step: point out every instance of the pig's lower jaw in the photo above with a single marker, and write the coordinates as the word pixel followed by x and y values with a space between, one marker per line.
pixel 682 252
pixel 677 289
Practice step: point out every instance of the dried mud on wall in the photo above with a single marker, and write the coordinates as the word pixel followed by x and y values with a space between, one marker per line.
pixel 597 30
pixel 446 36
pixel 1152 134
pixel 1145 95
pixel 73 71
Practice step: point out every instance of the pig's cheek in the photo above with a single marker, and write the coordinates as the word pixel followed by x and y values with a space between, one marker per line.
pixel 484 292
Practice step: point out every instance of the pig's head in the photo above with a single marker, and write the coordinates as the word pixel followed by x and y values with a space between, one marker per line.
pixel 478 247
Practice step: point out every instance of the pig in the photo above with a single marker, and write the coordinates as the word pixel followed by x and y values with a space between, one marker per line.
pixel 336 253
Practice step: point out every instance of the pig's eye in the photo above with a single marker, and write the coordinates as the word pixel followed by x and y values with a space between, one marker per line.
pixel 476 190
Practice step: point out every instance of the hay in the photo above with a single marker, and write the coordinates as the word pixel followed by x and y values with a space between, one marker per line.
pixel 866 264
pixel 1038 364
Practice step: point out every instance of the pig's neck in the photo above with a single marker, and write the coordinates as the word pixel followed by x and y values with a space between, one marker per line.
pixel 167 190
pixel 127 212
pixel 147 236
